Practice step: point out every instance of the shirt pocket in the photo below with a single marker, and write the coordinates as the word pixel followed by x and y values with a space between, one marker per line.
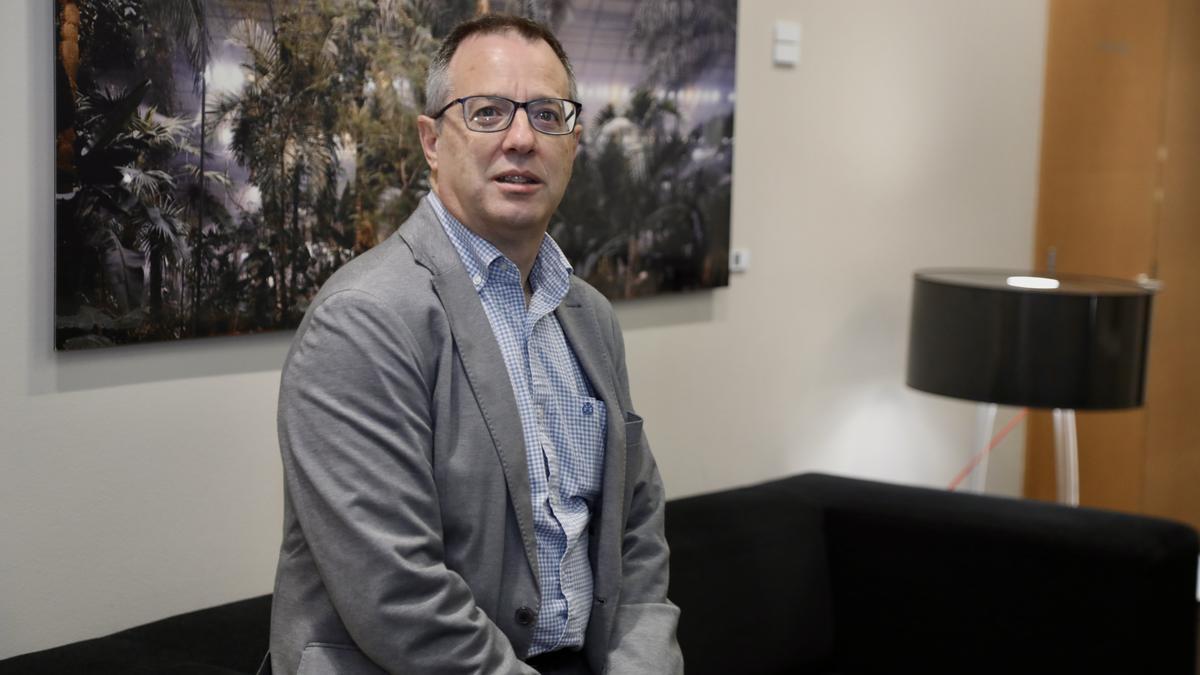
pixel 582 465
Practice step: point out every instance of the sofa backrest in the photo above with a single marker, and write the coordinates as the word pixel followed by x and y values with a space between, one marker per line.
pixel 937 582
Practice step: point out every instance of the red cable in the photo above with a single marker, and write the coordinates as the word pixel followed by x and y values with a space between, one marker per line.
pixel 966 471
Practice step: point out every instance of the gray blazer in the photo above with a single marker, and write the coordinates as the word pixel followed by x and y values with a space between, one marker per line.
pixel 408 541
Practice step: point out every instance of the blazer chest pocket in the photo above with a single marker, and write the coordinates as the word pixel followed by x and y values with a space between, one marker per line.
pixel 323 658
pixel 633 430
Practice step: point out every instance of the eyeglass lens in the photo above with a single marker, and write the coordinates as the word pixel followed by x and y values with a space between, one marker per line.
pixel 547 115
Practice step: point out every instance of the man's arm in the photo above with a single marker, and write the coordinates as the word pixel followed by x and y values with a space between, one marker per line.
pixel 643 639
pixel 356 433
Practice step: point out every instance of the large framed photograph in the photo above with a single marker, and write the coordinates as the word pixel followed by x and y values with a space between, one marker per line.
pixel 217 160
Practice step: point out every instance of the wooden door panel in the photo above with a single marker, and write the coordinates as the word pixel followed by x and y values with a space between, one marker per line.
pixel 1173 388
pixel 1098 223
pixel 1097 204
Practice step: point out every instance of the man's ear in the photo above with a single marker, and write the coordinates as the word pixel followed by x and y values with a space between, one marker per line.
pixel 427 127
pixel 578 132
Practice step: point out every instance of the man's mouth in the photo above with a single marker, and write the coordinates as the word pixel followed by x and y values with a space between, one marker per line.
pixel 518 179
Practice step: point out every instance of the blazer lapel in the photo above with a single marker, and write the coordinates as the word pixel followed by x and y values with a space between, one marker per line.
pixel 481 359
pixel 584 334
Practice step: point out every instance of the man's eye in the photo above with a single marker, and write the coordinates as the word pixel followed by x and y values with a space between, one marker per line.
pixel 486 113
pixel 548 115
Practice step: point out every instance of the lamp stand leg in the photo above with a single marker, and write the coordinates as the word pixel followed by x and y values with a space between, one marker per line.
pixel 1066 456
pixel 985 424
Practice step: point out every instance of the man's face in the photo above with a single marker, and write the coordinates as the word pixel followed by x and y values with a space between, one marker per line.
pixel 468 167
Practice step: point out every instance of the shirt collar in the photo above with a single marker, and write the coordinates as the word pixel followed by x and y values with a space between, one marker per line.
pixel 551 270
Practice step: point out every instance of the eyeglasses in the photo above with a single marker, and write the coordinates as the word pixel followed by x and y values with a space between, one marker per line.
pixel 489 114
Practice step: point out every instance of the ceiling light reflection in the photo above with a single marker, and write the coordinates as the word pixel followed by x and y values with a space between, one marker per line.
pixel 1037 283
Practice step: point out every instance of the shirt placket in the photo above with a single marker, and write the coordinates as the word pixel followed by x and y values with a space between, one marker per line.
pixel 543 400
pixel 544 403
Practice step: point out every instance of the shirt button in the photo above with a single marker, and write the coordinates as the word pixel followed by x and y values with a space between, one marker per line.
pixel 477 279
pixel 525 616
pixel 587 408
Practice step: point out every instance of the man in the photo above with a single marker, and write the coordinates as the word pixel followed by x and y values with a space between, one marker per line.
pixel 468 489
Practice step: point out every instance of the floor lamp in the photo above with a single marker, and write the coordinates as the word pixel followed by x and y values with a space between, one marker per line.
pixel 1060 342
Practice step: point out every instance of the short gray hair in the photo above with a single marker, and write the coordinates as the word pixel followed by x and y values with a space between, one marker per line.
pixel 437 81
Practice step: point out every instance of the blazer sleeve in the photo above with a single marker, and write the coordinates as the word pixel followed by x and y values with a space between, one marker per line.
pixel 356 430
pixel 643 638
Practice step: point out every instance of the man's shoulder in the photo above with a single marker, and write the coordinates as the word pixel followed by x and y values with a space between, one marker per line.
pixel 397 270
pixel 382 300
pixel 388 272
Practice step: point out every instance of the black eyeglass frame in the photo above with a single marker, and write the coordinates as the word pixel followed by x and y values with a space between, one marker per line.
pixel 517 105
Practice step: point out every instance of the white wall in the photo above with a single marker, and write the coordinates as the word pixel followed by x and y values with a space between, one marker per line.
pixel 141 482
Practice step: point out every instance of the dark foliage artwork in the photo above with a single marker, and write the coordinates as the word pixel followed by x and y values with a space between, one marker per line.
pixel 217 160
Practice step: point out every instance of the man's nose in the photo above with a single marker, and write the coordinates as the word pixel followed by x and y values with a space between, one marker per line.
pixel 520 135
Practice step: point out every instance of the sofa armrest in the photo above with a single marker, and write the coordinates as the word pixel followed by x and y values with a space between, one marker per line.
pixel 749 575
pixel 229 639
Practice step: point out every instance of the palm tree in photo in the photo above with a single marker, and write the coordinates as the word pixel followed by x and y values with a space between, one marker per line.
pixel 380 55
pixel 680 39
pixel 186 22
pixel 550 12
pixel 281 132
pixel 645 201
pixel 126 180
pixel 125 204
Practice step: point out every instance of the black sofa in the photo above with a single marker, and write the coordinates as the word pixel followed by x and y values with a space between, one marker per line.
pixel 819 574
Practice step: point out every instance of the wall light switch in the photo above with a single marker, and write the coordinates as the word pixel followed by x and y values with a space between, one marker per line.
pixel 786 50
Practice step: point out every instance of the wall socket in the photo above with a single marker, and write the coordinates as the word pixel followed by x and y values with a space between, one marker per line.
pixel 739 260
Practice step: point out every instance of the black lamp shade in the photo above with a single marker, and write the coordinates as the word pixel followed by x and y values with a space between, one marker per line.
pixel 1082 345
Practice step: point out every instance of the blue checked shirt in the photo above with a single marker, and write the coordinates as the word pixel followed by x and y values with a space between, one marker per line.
pixel 564 426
